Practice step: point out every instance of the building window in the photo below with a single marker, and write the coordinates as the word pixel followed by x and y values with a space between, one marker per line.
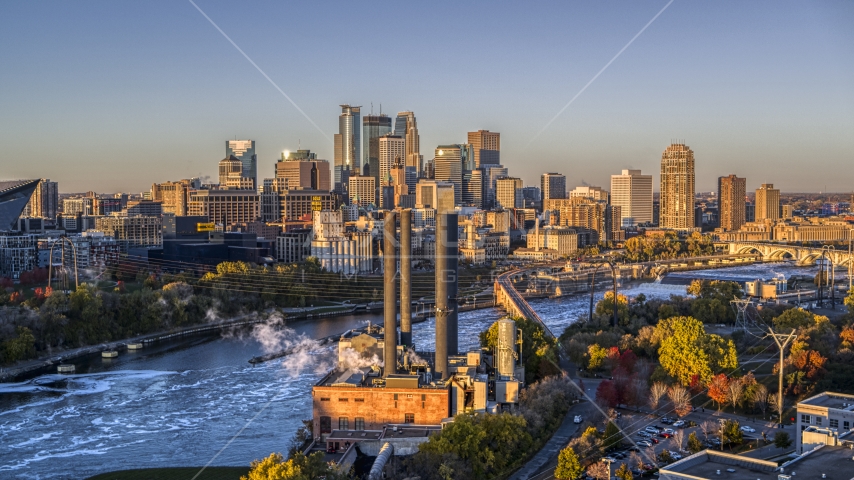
pixel 805 418
pixel 343 399
pixel 409 418
pixel 818 420
pixel 362 400
pixel 343 423
pixel 324 399
pixel 834 423
pixel 325 424
pixel 846 425
pixel 359 423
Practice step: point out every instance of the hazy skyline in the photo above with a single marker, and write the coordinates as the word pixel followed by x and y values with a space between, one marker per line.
pixel 114 96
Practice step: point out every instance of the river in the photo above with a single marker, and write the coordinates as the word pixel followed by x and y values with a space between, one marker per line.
pixel 180 402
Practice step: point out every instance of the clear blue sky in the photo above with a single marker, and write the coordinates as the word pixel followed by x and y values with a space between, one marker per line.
pixel 112 96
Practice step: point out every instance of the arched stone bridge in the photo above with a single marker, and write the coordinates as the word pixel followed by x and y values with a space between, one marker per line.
pixel 781 252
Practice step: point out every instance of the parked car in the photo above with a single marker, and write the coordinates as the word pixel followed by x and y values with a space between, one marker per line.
pixel 652 430
pixel 653 439
pixel 668 430
pixel 644 434
pixel 665 435
pixel 644 443
pixel 675 455
pixel 666 420
pixel 679 423
pixel 577 419
pixel 748 429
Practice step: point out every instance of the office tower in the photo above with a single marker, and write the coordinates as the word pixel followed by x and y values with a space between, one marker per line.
pixel 375 126
pixel 229 168
pixel 399 187
pixel 411 178
pixel 473 188
pixel 436 195
pixel 134 231
pixel 788 212
pixel 448 167
pixel 225 206
pixel 391 148
pixel 362 190
pixel 303 170
pixel 491 173
pixel 632 192
pixel 587 214
pixel 532 198
pixel 244 150
pixel 45 200
pixel 508 192
pixel 588 192
pixel 767 203
pixel 552 185
pixel 486 146
pixel 677 187
pixel 731 202
pixel 406 127
pixel 348 142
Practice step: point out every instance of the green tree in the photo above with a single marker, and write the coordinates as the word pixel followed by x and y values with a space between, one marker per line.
pixel 568 465
pixel 623 473
pixel 694 444
pixel 300 467
pixel 687 351
pixel 794 318
pixel 782 440
pixel 731 433
pixel 605 308
pixel 612 436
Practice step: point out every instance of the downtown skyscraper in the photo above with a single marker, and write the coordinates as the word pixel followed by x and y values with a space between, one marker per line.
pixel 552 185
pixel 731 202
pixel 405 126
pixel 632 192
pixel 487 147
pixel 677 187
pixel 375 126
pixel 244 150
pixel 767 203
pixel 348 145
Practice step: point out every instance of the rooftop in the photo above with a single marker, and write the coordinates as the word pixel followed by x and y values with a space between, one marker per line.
pixel 834 462
pixel 837 401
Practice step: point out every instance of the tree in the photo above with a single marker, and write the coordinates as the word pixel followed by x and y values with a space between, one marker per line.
pixel 605 307
pixel 782 440
pixel 678 439
pixel 568 465
pixel 656 392
pixel 679 353
pixel 736 388
pixel 606 394
pixel 718 389
pixel 680 398
pixel 597 355
pixel 709 427
pixel 794 318
pixel 623 473
pixel 694 444
pixel 760 398
pixel 599 471
pixel 665 457
pixel 300 467
pixel 731 433
pixel 612 436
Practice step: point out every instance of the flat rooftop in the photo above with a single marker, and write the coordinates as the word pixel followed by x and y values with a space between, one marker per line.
pixel 354 435
pixel 837 401
pixel 834 462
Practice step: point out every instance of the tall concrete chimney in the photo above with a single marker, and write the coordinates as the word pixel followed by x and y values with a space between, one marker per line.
pixel 389 295
pixel 406 277
pixel 446 291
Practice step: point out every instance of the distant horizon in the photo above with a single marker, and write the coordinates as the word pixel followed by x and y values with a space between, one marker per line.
pixel 115 97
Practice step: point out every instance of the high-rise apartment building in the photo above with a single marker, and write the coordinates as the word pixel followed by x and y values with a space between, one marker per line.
pixel 552 185
pixel 244 150
pixel 225 206
pixel 406 127
pixel 732 192
pixel 174 196
pixel 44 202
pixel 348 143
pixel 132 231
pixel 392 150
pixel 303 170
pixel 363 190
pixel 508 192
pixel 767 203
pixel 632 192
pixel 677 187
pixel 486 146
pixel 588 192
pixel 374 127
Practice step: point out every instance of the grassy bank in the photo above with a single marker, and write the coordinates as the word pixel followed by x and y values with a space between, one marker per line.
pixel 176 473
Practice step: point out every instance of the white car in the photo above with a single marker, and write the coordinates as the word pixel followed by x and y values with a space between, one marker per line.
pixel 668 430
pixel 679 423
pixel 652 430
pixel 644 443
pixel 675 455
pixel 577 419
pixel 748 429
pixel 644 434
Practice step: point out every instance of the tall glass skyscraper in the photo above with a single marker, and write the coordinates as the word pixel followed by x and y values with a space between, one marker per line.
pixel 375 126
pixel 244 150
pixel 406 126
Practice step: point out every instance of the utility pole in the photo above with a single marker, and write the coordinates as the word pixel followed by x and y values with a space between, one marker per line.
pixel 781 340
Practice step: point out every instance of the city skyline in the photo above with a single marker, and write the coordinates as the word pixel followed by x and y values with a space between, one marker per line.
pixel 784 97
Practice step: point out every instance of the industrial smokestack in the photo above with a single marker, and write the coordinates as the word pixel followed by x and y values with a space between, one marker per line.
pixel 446 291
pixel 406 277
pixel 389 295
